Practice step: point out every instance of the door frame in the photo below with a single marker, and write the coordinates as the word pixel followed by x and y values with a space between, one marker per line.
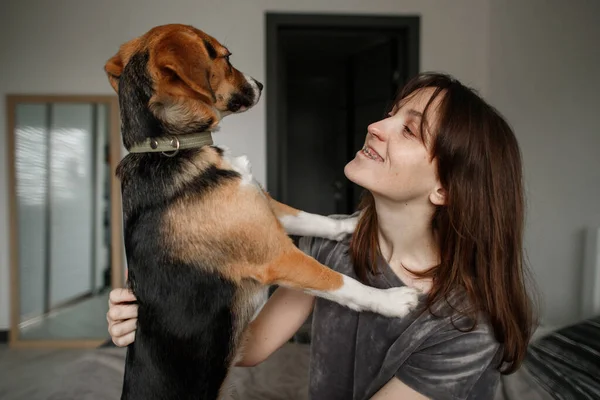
pixel 276 104
pixel 116 241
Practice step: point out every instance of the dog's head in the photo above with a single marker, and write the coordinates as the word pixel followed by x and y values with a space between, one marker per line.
pixel 182 77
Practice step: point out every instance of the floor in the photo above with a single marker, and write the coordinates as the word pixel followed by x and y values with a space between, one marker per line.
pixel 97 375
pixel 23 369
pixel 84 320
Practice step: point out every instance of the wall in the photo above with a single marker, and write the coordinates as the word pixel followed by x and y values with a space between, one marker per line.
pixel 60 46
pixel 544 62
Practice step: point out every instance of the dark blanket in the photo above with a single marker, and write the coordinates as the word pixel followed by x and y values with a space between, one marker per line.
pixel 564 364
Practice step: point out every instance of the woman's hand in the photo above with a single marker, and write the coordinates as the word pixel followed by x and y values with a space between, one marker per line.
pixel 276 323
pixel 122 317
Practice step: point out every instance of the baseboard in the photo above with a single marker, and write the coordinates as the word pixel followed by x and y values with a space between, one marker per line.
pixel 3 336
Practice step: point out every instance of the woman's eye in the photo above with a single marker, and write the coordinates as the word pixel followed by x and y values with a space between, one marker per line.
pixel 407 130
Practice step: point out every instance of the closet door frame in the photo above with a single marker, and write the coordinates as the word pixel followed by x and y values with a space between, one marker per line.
pixel 116 243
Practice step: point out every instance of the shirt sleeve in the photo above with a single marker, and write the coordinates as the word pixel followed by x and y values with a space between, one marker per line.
pixel 308 245
pixel 315 246
pixel 451 363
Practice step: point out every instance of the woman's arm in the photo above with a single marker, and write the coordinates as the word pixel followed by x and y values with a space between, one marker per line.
pixel 282 315
pixel 395 389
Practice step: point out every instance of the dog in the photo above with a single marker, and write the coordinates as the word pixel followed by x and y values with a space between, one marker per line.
pixel 203 239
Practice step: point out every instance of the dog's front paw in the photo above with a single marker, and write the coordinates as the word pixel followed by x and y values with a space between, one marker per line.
pixel 345 227
pixel 397 302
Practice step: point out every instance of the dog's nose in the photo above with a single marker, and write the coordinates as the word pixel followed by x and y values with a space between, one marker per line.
pixel 260 85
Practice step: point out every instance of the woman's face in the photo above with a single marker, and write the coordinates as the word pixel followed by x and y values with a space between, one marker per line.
pixel 395 163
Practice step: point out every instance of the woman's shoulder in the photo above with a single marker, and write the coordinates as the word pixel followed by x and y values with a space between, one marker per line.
pixel 457 358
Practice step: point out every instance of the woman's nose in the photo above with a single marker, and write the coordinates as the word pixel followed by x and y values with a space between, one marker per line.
pixel 375 131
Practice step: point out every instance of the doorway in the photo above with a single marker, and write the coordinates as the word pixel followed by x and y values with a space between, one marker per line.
pixel 328 78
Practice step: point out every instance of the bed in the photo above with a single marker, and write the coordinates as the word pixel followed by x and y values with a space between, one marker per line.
pixel 563 364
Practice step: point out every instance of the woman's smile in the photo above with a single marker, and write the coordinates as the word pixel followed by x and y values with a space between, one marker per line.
pixel 371 154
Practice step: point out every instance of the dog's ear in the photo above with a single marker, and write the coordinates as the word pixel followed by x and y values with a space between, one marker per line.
pixel 180 58
pixel 115 65
pixel 113 69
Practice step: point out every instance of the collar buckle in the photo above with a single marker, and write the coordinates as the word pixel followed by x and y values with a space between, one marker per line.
pixel 175 144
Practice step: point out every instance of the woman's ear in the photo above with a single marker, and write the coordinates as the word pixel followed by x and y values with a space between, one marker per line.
pixel 438 196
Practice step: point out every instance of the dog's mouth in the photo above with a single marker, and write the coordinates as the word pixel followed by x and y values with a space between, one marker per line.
pixel 246 98
pixel 239 102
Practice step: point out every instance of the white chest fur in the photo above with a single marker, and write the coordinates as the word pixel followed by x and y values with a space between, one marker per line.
pixel 241 165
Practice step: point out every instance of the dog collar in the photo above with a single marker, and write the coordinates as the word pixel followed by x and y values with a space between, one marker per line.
pixel 170 145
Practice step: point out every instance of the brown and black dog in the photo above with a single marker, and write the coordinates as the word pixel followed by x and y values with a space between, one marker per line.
pixel 203 240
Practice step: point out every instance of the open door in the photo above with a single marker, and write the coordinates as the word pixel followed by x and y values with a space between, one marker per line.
pixel 375 74
pixel 332 93
pixel 328 78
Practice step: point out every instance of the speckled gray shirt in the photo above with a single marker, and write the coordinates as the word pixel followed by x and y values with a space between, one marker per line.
pixel 354 354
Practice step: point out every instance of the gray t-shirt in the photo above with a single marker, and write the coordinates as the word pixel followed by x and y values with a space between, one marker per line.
pixel 354 354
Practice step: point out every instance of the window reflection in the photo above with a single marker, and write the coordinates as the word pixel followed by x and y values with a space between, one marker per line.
pixel 68 163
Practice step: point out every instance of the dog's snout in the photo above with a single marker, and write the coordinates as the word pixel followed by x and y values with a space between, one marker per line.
pixel 246 96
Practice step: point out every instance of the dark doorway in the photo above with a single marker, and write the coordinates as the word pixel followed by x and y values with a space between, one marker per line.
pixel 328 78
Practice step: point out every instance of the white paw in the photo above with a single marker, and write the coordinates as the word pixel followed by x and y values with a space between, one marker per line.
pixel 345 227
pixel 396 302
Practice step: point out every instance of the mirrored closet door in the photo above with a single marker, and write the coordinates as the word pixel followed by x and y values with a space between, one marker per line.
pixel 65 228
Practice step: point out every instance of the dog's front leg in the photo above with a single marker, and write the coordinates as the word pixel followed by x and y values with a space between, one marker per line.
pixel 301 223
pixel 296 270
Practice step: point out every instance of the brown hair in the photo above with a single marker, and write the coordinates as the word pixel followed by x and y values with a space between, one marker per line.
pixel 480 228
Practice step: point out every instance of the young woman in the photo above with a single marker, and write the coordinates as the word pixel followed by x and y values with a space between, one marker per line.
pixel 443 211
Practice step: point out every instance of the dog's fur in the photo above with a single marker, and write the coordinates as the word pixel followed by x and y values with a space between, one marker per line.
pixel 202 238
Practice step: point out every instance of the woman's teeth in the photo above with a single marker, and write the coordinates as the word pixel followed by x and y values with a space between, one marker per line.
pixel 366 151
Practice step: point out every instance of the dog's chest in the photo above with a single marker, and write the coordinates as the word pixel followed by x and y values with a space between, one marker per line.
pixel 241 165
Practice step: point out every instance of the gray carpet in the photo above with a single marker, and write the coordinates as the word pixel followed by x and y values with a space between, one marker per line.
pixel 97 375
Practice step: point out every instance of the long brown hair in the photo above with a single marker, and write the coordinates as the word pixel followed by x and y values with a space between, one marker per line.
pixel 480 228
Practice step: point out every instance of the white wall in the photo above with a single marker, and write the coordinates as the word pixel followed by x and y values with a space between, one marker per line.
pixel 544 65
pixel 60 47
